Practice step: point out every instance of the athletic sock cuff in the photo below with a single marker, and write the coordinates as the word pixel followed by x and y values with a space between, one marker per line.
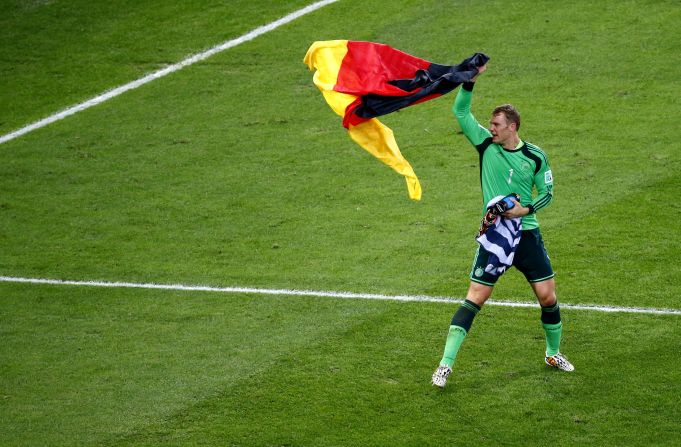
pixel 550 314
pixel 552 308
pixel 465 314
pixel 470 305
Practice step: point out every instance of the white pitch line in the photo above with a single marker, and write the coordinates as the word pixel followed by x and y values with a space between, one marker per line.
pixel 165 71
pixel 344 295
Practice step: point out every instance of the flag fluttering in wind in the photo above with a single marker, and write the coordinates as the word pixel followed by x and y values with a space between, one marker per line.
pixel 363 80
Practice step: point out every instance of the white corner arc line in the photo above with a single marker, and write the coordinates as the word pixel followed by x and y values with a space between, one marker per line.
pixel 165 71
pixel 327 294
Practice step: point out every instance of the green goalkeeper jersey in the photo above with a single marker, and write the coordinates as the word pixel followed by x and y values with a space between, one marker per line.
pixel 522 170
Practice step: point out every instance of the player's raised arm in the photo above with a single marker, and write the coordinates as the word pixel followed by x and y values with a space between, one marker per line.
pixel 472 129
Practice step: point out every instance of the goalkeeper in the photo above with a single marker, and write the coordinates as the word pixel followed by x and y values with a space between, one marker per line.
pixel 507 165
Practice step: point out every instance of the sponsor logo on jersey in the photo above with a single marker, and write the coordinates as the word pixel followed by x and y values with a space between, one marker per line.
pixel 548 177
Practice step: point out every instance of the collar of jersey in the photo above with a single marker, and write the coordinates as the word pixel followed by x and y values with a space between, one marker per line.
pixel 520 145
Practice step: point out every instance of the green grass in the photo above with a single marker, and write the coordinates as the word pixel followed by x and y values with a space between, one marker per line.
pixel 124 367
pixel 59 53
pixel 235 172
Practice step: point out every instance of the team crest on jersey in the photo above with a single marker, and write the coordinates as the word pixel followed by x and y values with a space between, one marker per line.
pixel 548 177
pixel 479 271
pixel 525 166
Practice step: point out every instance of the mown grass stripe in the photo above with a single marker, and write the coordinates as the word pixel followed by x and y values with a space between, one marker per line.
pixel 330 294
pixel 165 71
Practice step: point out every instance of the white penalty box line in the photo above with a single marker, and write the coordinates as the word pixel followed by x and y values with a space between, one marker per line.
pixel 165 71
pixel 327 294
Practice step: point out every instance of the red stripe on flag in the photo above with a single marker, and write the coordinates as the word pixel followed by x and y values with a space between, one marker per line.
pixel 367 67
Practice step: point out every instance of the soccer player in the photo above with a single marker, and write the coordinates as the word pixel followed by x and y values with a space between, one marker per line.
pixel 507 165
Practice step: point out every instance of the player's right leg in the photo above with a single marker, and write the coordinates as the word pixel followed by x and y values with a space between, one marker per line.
pixel 458 329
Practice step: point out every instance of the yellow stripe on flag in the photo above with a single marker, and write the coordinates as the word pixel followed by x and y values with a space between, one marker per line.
pixel 379 141
pixel 327 58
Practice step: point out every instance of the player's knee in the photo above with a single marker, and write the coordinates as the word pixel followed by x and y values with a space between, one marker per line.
pixel 545 292
pixel 547 298
pixel 479 293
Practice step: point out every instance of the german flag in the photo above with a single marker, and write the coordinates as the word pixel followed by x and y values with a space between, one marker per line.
pixel 363 80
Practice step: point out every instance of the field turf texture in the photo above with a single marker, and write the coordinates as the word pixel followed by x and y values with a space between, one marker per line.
pixel 234 172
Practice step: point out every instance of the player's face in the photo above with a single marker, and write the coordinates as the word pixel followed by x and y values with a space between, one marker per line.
pixel 500 129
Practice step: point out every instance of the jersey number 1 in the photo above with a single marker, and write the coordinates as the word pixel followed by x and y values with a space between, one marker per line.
pixel 510 175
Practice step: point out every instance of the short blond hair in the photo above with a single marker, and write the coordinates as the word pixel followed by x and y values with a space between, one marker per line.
pixel 510 112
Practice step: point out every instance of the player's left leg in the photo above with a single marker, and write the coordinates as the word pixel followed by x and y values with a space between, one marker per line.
pixel 552 324
pixel 533 261
pixel 550 314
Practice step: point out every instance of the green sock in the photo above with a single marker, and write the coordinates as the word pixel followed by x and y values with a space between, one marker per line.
pixel 553 333
pixel 553 328
pixel 454 340
pixel 461 324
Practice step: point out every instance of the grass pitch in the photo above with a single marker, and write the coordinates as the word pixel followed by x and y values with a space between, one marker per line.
pixel 234 172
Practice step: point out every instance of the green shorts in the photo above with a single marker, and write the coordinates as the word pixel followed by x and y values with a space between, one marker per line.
pixel 530 258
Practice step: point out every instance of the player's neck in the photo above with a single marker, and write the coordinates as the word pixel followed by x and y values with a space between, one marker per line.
pixel 512 143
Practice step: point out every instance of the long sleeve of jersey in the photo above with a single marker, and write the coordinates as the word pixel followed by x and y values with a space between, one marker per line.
pixel 543 181
pixel 472 129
